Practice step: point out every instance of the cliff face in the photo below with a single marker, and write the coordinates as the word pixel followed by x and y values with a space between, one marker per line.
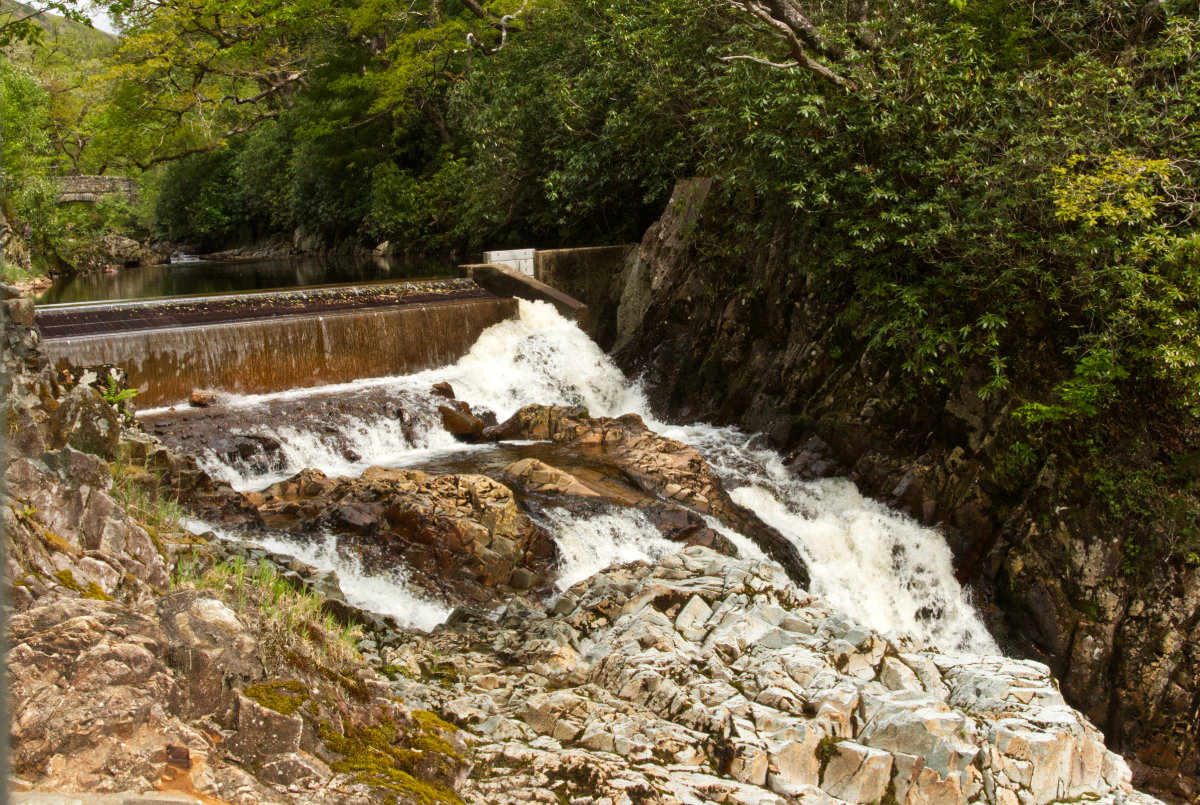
pixel 764 346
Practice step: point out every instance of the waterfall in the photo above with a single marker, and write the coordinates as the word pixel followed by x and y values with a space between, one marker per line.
pixel 878 565
pixel 284 351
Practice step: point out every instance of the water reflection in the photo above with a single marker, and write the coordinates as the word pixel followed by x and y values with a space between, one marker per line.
pixel 196 277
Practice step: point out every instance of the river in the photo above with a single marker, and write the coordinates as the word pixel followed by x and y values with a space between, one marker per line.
pixel 879 566
pixel 199 277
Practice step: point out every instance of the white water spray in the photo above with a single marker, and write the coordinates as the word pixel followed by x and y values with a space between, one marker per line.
pixel 385 593
pixel 587 544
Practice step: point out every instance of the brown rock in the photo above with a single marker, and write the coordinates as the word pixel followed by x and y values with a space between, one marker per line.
pixel 462 423
pixel 209 642
pixel 443 389
pixel 465 533
pixel 657 466
pixel 202 399
pixel 262 732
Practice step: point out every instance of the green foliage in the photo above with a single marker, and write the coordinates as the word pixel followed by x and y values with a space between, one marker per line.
pixel 1115 188
pixel 399 759
pixel 1094 385
pixel 115 397
pixel 291 623
pixel 139 494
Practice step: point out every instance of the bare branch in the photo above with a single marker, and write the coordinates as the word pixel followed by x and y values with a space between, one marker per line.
pixel 801 35
pixel 777 65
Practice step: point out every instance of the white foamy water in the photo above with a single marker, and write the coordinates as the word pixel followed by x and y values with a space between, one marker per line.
pixel 879 566
pixel 383 593
pixel 588 544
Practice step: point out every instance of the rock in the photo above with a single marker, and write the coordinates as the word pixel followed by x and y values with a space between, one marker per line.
pixel 86 422
pixel 523 579
pixel 443 389
pixel 654 676
pixel 262 733
pixel 293 769
pixel 674 473
pixel 202 399
pixel 88 682
pixel 857 773
pixel 464 425
pixel 814 459
pixel 217 650
pixel 464 533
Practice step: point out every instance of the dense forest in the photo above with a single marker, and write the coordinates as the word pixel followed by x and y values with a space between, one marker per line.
pixel 1005 185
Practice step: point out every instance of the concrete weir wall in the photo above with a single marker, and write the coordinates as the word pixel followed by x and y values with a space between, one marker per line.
pixel 504 280
pixel 592 275
pixel 584 284
pixel 281 352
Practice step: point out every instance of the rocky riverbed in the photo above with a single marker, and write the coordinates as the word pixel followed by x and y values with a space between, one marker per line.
pixel 148 659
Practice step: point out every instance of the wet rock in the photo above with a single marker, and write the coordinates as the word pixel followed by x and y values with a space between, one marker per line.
pixel 674 472
pixel 202 399
pixel 464 531
pixel 814 459
pixel 443 389
pixel 459 421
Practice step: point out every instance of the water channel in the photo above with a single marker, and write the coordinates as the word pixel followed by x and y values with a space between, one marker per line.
pixel 881 567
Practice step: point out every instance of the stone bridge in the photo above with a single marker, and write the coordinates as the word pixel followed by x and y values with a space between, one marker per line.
pixel 91 189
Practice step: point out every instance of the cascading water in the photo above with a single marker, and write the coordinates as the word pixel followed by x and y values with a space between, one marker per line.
pixel 877 565
pixel 588 545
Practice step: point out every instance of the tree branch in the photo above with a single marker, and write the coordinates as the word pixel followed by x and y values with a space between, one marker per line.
pixel 777 65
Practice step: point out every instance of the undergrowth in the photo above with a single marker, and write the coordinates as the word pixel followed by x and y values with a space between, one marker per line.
pixel 291 623
pixel 137 492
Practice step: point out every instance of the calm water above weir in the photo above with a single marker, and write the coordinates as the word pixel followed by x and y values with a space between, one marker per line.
pixel 198 277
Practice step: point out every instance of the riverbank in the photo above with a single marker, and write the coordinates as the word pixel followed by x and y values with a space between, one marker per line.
pixel 667 672
pixel 1080 544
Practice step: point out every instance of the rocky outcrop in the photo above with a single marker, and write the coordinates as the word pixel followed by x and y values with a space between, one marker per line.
pixel 706 678
pixel 765 346
pixel 112 251
pixel 463 533
pixel 654 464
pixel 220 684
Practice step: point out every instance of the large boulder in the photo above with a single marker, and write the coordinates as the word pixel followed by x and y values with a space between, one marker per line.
pixel 462 533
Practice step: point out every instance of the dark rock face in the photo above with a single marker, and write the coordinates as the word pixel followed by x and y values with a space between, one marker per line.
pixel 1027 538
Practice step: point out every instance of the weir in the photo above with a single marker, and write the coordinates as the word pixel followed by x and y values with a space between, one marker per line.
pixel 263 342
